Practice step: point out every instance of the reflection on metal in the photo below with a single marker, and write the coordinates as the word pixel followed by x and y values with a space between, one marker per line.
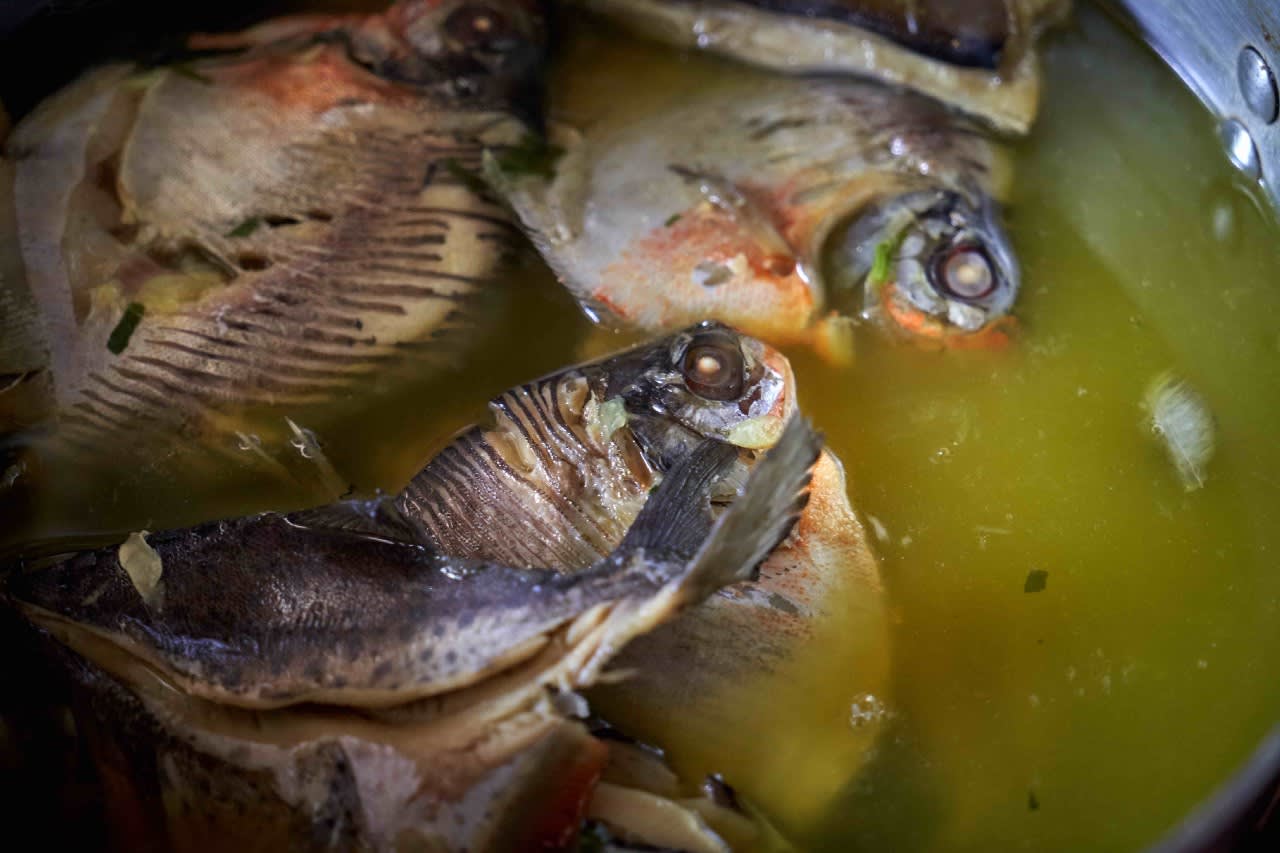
pixel 1258 84
pixel 1227 53
pixel 1240 148
pixel 1232 817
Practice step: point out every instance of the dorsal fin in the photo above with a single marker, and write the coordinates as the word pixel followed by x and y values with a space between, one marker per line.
pixel 378 518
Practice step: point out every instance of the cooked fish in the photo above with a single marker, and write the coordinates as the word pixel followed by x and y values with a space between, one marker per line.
pixel 269 224
pixel 224 688
pixel 977 55
pixel 569 460
pixel 781 206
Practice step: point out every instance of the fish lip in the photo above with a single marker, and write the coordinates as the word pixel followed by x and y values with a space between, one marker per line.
pixel 925 327
pixel 785 405
pixel 761 431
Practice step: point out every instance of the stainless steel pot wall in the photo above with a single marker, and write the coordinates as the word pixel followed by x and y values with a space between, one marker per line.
pixel 1228 53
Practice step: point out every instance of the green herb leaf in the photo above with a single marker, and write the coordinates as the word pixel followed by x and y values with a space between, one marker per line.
pixel 880 266
pixel 469 179
pixel 1033 802
pixel 124 330
pixel 1037 580
pixel 671 220
pixel 593 838
pixel 244 229
pixel 183 69
pixel 532 155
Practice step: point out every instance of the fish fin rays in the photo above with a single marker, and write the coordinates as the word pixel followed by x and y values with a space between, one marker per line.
pixel 775 494
pixel 677 517
pixel 377 518
pixel 676 520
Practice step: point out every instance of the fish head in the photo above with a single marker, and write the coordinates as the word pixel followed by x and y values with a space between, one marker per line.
pixel 707 381
pixel 483 52
pixel 934 265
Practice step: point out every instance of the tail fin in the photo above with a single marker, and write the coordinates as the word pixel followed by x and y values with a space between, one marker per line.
pixel 775 494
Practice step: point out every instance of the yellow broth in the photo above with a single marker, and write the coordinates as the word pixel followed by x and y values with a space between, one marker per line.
pixel 1095 712
pixel 1101 709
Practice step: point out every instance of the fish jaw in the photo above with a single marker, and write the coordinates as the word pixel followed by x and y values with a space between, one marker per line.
pixel 761 431
pixel 931 332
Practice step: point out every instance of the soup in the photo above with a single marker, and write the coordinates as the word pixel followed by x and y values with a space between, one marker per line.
pixel 1079 646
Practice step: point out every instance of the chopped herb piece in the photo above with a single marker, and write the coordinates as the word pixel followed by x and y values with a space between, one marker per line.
pixel 1037 580
pixel 593 838
pixel 880 266
pixel 671 220
pixel 465 176
pixel 244 229
pixel 532 155
pixel 183 69
pixel 1033 802
pixel 124 330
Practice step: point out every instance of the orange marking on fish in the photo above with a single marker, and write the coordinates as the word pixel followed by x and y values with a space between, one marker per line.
pixel 313 82
pixel 557 820
pixel 927 329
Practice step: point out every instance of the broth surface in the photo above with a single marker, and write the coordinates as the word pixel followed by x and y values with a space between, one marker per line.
pixel 1095 712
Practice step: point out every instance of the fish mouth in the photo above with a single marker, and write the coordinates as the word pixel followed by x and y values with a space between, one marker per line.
pixel 776 403
pixel 934 265
pixel 925 327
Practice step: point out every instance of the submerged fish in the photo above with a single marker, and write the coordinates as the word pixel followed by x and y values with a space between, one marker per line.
pixel 275 685
pixel 977 55
pixel 565 464
pixel 781 206
pixel 272 223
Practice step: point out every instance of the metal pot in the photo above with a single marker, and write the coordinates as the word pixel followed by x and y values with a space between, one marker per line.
pixel 1228 54
pixel 1226 51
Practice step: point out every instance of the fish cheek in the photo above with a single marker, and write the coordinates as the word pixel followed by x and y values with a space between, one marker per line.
pixel 703 266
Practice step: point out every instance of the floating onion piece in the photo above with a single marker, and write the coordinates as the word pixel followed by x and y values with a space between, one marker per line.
pixel 1181 418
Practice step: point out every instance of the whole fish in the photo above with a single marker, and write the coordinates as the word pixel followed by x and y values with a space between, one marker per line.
pixel 977 55
pixel 265 683
pixel 272 223
pixel 568 460
pixel 783 207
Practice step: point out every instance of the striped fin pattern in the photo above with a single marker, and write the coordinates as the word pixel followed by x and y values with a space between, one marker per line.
pixel 348 249
pixel 563 494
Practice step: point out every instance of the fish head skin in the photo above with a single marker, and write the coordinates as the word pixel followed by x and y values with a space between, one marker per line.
pixel 934 265
pixel 707 381
pixel 486 54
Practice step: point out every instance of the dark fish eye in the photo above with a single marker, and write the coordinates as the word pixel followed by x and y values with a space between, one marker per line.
pixel 475 25
pixel 965 272
pixel 713 367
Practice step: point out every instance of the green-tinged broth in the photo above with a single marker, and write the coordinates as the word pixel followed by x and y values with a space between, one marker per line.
pixel 1096 711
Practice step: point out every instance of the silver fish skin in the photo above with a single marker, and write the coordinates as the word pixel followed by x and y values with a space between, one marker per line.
pixel 976 55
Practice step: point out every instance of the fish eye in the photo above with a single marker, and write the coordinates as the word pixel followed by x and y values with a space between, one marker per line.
pixel 475 25
pixel 713 367
pixel 964 272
